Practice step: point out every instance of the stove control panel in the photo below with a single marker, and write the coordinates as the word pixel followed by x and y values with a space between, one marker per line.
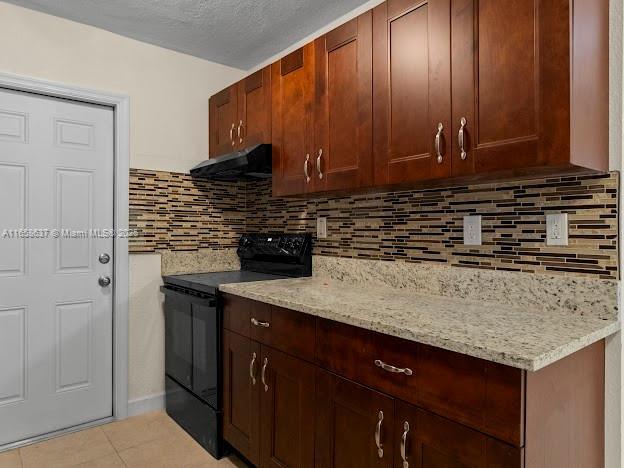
pixel 253 246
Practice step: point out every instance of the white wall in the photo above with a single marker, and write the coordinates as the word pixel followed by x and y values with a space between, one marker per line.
pixel 169 91
pixel 169 95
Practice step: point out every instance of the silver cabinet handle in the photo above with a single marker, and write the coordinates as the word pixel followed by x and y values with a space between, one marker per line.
pixel 104 281
pixel 460 138
pixel 438 137
pixel 305 168
pixel 258 323
pixel 232 134
pixel 378 435
pixel 404 444
pixel 394 370
pixel 318 163
pixel 266 362
pixel 252 369
pixel 239 131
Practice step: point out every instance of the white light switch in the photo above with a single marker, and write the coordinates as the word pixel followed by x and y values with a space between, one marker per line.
pixel 472 230
pixel 557 229
pixel 321 228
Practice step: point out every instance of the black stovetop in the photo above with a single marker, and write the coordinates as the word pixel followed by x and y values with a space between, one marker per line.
pixel 210 282
pixel 263 257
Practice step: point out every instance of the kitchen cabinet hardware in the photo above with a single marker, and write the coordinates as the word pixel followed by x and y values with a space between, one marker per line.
pixel 438 137
pixel 461 139
pixel 239 131
pixel 264 368
pixel 318 163
pixel 305 168
pixel 406 429
pixel 259 323
pixel 395 370
pixel 232 134
pixel 378 443
pixel 252 369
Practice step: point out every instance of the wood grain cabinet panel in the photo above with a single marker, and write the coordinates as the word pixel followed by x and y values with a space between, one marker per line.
pixel 288 411
pixel 292 136
pixel 241 395
pixel 222 109
pixel 412 90
pixel 254 109
pixel 424 440
pixel 343 122
pixel 512 63
pixel 348 417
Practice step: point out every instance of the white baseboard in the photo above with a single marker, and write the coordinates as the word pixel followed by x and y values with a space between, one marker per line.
pixel 146 404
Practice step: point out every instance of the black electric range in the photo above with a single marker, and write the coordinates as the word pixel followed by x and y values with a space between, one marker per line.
pixel 193 329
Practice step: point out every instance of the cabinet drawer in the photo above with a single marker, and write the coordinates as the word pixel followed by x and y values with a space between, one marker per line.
pixel 285 330
pixel 238 311
pixel 483 395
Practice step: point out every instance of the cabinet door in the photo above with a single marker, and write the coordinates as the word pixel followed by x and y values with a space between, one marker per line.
pixel 241 394
pixel 412 90
pixel 254 109
pixel 292 83
pixel 288 411
pixel 351 419
pixel 343 122
pixel 424 440
pixel 222 125
pixel 496 82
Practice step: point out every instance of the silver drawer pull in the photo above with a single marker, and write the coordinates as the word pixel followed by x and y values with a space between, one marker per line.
pixel 438 137
pixel 264 368
pixel 252 369
pixel 404 444
pixel 378 443
pixel 461 139
pixel 305 168
pixel 394 370
pixel 258 323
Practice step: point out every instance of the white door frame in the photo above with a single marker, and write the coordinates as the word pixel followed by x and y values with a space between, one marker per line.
pixel 121 108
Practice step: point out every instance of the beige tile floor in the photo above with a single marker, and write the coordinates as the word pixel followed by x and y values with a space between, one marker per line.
pixel 150 440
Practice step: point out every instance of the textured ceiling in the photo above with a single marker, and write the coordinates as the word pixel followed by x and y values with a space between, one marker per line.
pixel 239 33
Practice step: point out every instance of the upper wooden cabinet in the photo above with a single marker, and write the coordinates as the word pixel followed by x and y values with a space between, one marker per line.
pixel 254 109
pixel 222 109
pixel 240 116
pixel 428 92
pixel 343 107
pixel 292 81
pixel 530 81
pixel 412 83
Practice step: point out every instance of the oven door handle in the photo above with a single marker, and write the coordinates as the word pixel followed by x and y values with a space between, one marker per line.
pixel 205 301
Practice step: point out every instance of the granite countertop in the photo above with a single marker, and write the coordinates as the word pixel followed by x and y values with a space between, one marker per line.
pixel 526 338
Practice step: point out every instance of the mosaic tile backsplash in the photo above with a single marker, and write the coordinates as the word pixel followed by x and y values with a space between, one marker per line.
pixel 175 212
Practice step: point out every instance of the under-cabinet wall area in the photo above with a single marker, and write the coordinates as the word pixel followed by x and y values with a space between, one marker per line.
pixel 417 226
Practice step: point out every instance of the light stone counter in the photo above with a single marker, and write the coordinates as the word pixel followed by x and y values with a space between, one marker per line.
pixel 528 338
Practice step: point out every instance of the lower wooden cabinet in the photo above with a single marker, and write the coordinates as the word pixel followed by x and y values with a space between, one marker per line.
pixel 269 404
pixel 354 425
pixel 303 392
pixel 287 400
pixel 357 427
pixel 241 396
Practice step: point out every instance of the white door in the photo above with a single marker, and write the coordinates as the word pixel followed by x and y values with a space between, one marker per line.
pixel 56 173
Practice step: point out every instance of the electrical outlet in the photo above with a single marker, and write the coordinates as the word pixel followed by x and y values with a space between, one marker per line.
pixel 557 229
pixel 472 230
pixel 321 228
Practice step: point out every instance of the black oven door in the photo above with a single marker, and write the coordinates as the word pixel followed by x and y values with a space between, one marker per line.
pixel 192 342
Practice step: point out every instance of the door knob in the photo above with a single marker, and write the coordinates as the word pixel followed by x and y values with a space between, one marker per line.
pixel 104 281
pixel 104 258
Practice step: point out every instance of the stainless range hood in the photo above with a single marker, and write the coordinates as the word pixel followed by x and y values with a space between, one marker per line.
pixel 251 163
